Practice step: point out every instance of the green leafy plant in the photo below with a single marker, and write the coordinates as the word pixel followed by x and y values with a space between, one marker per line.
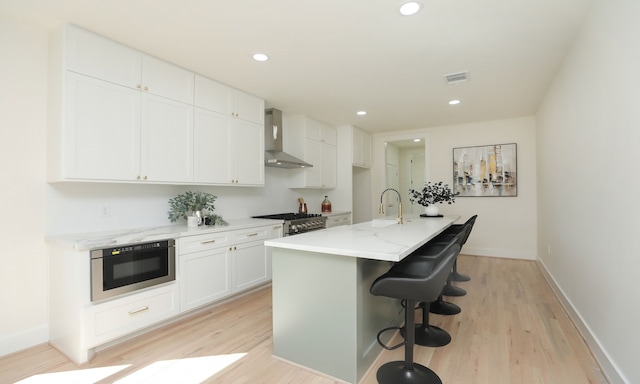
pixel 186 203
pixel 432 193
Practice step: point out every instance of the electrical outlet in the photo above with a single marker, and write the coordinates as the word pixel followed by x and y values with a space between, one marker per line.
pixel 105 211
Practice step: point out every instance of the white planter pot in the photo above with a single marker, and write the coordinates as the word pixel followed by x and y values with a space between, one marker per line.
pixel 432 210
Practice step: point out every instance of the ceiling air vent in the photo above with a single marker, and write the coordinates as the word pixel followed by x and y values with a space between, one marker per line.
pixel 459 77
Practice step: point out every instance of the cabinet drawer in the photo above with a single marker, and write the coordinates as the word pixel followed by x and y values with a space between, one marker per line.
pixel 197 243
pixel 117 318
pixel 251 234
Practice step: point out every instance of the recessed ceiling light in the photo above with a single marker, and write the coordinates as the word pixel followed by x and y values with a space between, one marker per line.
pixel 410 8
pixel 260 57
pixel 416 140
pixel 454 102
pixel 361 113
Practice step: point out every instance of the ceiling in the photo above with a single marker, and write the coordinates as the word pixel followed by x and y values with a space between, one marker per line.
pixel 332 58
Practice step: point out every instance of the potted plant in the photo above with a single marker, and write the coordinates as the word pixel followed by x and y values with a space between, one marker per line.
pixel 430 195
pixel 195 204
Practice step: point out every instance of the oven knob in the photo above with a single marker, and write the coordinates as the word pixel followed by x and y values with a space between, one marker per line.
pixel 293 228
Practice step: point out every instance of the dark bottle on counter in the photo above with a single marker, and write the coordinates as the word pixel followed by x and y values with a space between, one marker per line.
pixel 326 205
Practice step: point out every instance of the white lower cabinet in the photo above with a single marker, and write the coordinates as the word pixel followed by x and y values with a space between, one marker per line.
pixel 249 265
pixel 216 265
pixel 116 318
pixel 209 267
pixel 204 277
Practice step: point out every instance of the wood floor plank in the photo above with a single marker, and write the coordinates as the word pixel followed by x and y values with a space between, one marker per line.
pixel 512 329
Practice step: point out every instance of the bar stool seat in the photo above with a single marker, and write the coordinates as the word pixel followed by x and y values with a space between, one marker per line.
pixel 413 280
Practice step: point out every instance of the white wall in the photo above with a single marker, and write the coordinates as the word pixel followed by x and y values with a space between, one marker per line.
pixel 23 109
pixel 33 209
pixel 506 226
pixel 588 146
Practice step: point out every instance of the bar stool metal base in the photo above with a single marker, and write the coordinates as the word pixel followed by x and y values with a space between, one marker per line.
pixel 450 290
pixel 395 372
pixel 431 336
pixel 442 307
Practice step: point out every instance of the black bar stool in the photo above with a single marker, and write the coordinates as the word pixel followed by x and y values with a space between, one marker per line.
pixel 453 230
pixel 426 334
pixel 413 280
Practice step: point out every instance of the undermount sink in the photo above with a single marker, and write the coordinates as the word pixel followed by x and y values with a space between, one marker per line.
pixel 383 222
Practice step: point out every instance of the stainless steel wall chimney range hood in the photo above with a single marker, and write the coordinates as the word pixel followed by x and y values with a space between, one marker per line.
pixel 274 156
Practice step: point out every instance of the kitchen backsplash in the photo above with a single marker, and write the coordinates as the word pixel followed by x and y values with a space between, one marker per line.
pixel 91 207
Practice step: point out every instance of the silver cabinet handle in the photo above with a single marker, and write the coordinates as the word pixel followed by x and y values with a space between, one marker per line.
pixel 252 234
pixel 203 242
pixel 136 311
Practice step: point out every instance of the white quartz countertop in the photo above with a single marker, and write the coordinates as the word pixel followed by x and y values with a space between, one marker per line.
pixel 88 241
pixel 380 239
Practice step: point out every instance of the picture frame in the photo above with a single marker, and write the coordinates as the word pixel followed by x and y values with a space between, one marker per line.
pixel 486 171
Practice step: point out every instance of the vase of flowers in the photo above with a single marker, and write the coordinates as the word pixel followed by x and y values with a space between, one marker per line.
pixel 432 194
pixel 195 204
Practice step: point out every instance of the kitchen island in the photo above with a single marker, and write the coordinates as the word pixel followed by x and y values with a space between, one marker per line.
pixel 324 317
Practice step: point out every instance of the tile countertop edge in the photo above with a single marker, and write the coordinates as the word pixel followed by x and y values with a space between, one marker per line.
pixel 87 241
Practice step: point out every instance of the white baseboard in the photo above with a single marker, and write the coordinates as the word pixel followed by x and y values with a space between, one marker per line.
pixel 503 253
pixel 608 368
pixel 23 340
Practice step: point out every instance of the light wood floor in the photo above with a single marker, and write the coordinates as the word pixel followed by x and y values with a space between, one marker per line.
pixel 512 329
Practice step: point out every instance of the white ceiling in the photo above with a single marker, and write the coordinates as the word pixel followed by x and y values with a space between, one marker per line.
pixel 331 58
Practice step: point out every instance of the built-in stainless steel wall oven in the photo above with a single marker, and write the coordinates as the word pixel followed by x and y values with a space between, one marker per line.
pixel 124 269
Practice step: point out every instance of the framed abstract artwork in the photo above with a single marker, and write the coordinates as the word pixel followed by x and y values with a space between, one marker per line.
pixel 486 170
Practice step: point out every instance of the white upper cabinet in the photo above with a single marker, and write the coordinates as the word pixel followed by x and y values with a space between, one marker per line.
pixel 166 140
pixel 362 142
pixel 99 57
pixel 167 80
pixel 217 97
pixel 229 135
pixel 101 135
pixel 212 149
pixel 319 143
pixel 117 114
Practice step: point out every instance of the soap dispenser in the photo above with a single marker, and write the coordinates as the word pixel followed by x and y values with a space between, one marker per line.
pixel 326 204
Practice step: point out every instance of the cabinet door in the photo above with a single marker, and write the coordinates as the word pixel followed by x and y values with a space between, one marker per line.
pixel 248 153
pixel 361 148
pixel 214 96
pixel 99 57
pixel 102 130
pixel 212 147
pixel 204 277
pixel 313 155
pixel 329 166
pixel 167 80
pixel 328 134
pixel 248 107
pixel 167 140
pixel 249 265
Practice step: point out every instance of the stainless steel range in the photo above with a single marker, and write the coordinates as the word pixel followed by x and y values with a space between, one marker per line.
pixel 295 223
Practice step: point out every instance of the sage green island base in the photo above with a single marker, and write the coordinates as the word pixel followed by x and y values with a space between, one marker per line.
pixel 324 317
